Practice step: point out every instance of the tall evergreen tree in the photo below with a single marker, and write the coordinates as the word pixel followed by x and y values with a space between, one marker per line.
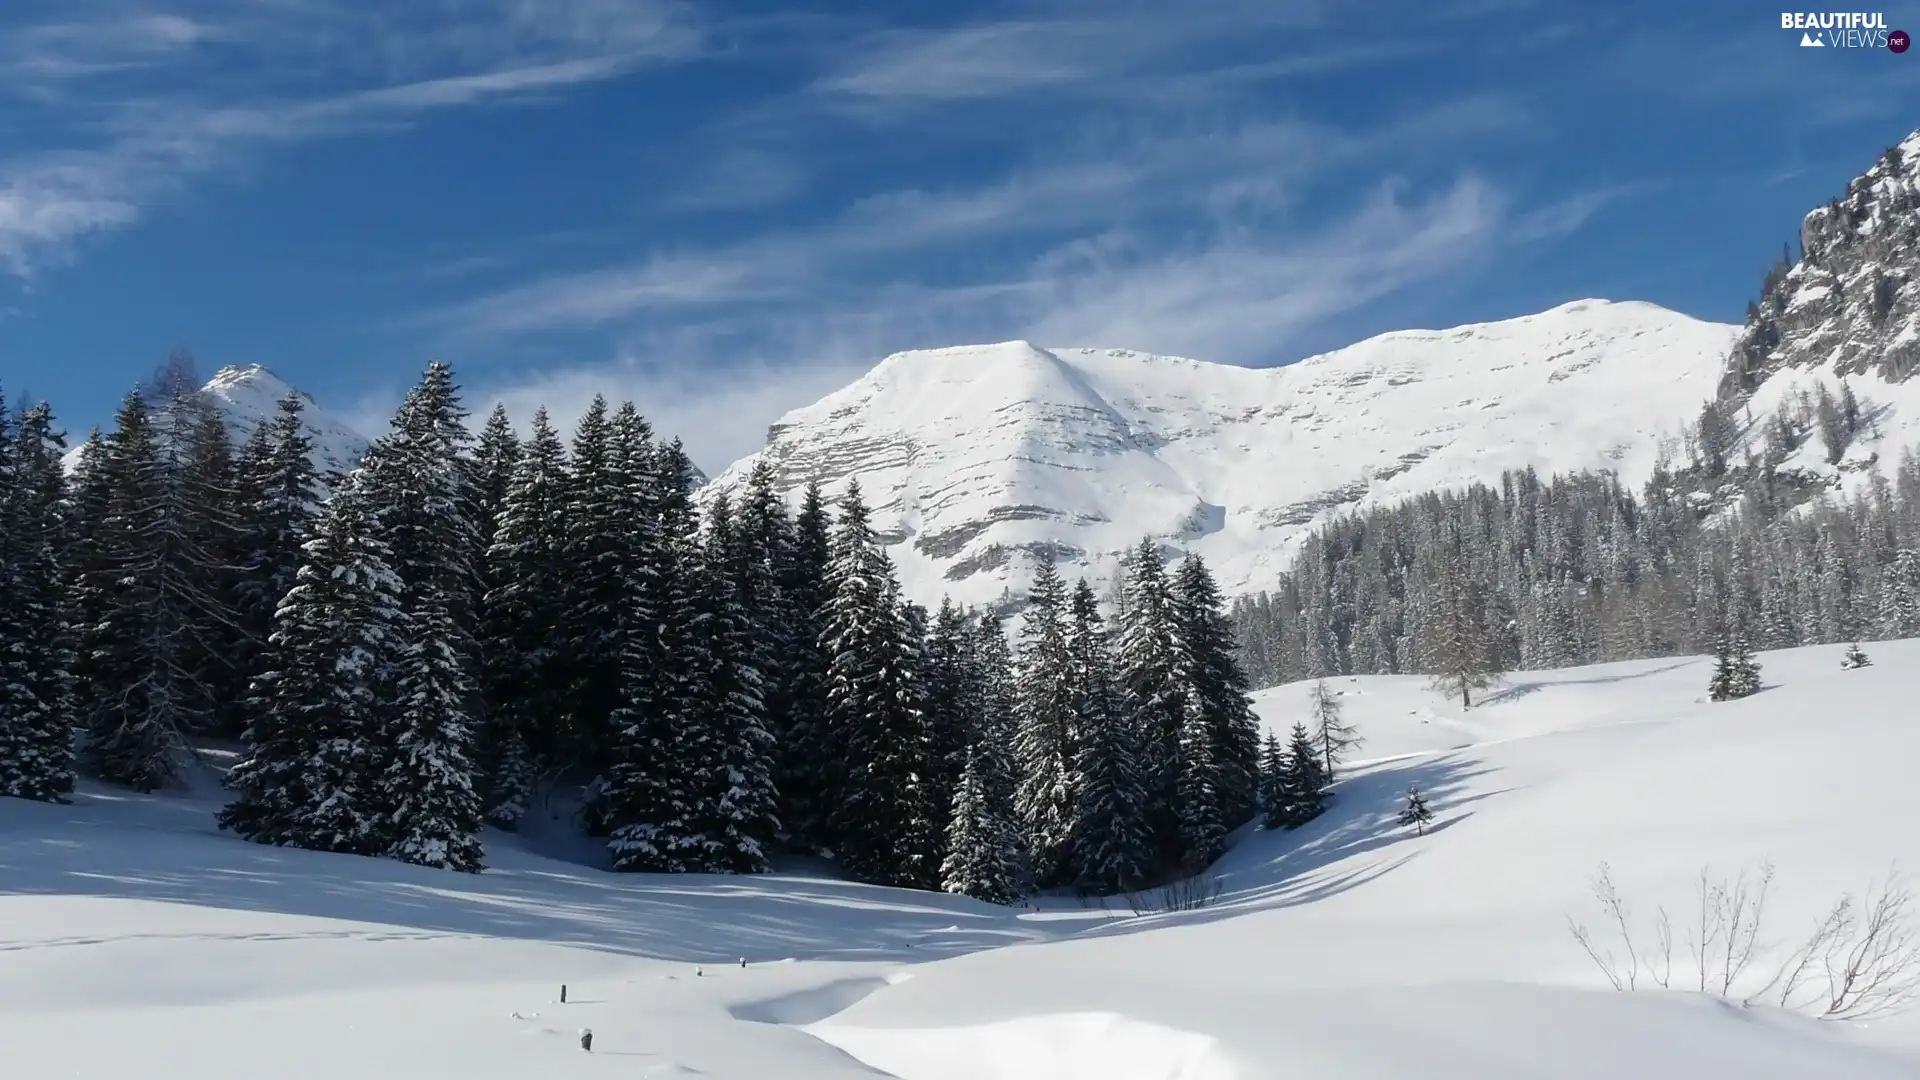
pixel 1462 655
pixel 419 487
pixel 1275 803
pixel 36 684
pixel 808 770
pixel 984 852
pixel 317 742
pixel 1045 743
pixel 882 824
pixel 602 520
pixel 1111 849
pixel 279 494
pixel 1303 783
pixel 524 621
pixel 1147 654
pixel 1216 692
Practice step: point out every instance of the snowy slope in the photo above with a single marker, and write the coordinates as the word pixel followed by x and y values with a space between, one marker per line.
pixel 249 394
pixel 135 939
pixel 975 457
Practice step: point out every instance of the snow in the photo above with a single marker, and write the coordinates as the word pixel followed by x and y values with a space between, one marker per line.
pixel 135 939
pixel 972 456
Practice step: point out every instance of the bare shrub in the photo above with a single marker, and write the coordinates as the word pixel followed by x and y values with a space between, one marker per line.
pixel 1862 960
pixel 1187 894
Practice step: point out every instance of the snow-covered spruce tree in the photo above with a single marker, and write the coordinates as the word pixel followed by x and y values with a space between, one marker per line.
pixel 951 698
pixel 417 482
pixel 1900 596
pixel 279 494
pixel 527 566
pixel 1273 783
pixel 882 823
pixel 1110 850
pixel 984 852
pixel 1216 692
pixel 1303 782
pixel 1856 658
pixel 647 794
pixel 1745 669
pixel 1045 739
pixel 1332 733
pixel 209 498
pixel 317 746
pixel 806 769
pixel 765 535
pixel 500 758
pixel 36 685
pixel 1147 664
pixel 144 598
pixel 1416 812
pixel 1720 687
pixel 602 522
pixel 731 794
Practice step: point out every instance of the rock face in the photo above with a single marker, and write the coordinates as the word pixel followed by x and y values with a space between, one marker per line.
pixel 977 459
pixel 1851 305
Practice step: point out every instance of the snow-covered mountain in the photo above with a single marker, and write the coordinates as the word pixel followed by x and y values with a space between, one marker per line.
pixel 976 458
pixel 248 394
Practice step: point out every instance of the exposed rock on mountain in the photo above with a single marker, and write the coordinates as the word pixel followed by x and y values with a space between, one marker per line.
pixel 977 458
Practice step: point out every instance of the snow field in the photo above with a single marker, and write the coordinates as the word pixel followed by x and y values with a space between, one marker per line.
pixel 135 939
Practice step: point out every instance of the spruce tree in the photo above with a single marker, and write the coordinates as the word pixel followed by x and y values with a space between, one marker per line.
pixel 419 488
pixel 882 823
pixel 1461 653
pixel 279 496
pixel 602 520
pixel 1275 804
pixel 36 684
pixel 1745 668
pixel 806 768
pixel 731 790
pixel 1416 812
pixel 500 755
pixel 1045 740
pixel 951 700
pixel 1111 849
pixel 1304 780
pixel 209 500
pixel 1147 658
pixel 1216 694
pixel 984 852
pixel 141 598
pixel 1856 658
pixel 317 746
pixel 524 619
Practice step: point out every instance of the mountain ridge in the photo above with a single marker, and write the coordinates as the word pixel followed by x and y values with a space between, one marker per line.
pixel 975 459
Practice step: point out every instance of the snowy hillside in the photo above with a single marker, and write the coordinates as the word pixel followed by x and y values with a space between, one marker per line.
pixel 135 939
pixel 974 457
pixel 249 394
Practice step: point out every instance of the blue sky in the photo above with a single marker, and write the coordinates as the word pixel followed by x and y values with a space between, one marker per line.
pixel 728 209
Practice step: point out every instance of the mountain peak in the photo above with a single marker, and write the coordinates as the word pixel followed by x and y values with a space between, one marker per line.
pixel 979 460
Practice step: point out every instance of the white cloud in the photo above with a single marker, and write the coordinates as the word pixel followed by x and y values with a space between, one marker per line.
pixel 164 112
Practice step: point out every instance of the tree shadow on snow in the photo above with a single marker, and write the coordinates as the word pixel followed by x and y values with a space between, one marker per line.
pixel 1514 691
pixel 119 845
pixel 1352 843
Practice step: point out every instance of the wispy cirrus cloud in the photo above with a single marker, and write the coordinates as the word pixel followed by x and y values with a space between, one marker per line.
pixel 146 99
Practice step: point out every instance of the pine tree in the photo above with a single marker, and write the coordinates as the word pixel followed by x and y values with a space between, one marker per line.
pixel 501 755
pixel 882 824
pixel 984 853
pixel 1044 743
pixel 1416 812
pixel 1275 805
pixel 279 496
pixel 1111 849
pixel 1856 658
pixel 1746 669
pixel 1147 659
pixel 1334 736
pixel 1304 780
pixel 951 699
pixel 36 684
pixel 806 768
pixel 419 488
pixel 1721 687
pixel 732 794
pixel 527 566
pixel 209 492
pixel 1461 655
pixel 316 744
pixel 1216 693
pixel 142 600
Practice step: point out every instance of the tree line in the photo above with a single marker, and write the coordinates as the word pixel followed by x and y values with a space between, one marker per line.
pixel 1533 573
pixel 410 650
